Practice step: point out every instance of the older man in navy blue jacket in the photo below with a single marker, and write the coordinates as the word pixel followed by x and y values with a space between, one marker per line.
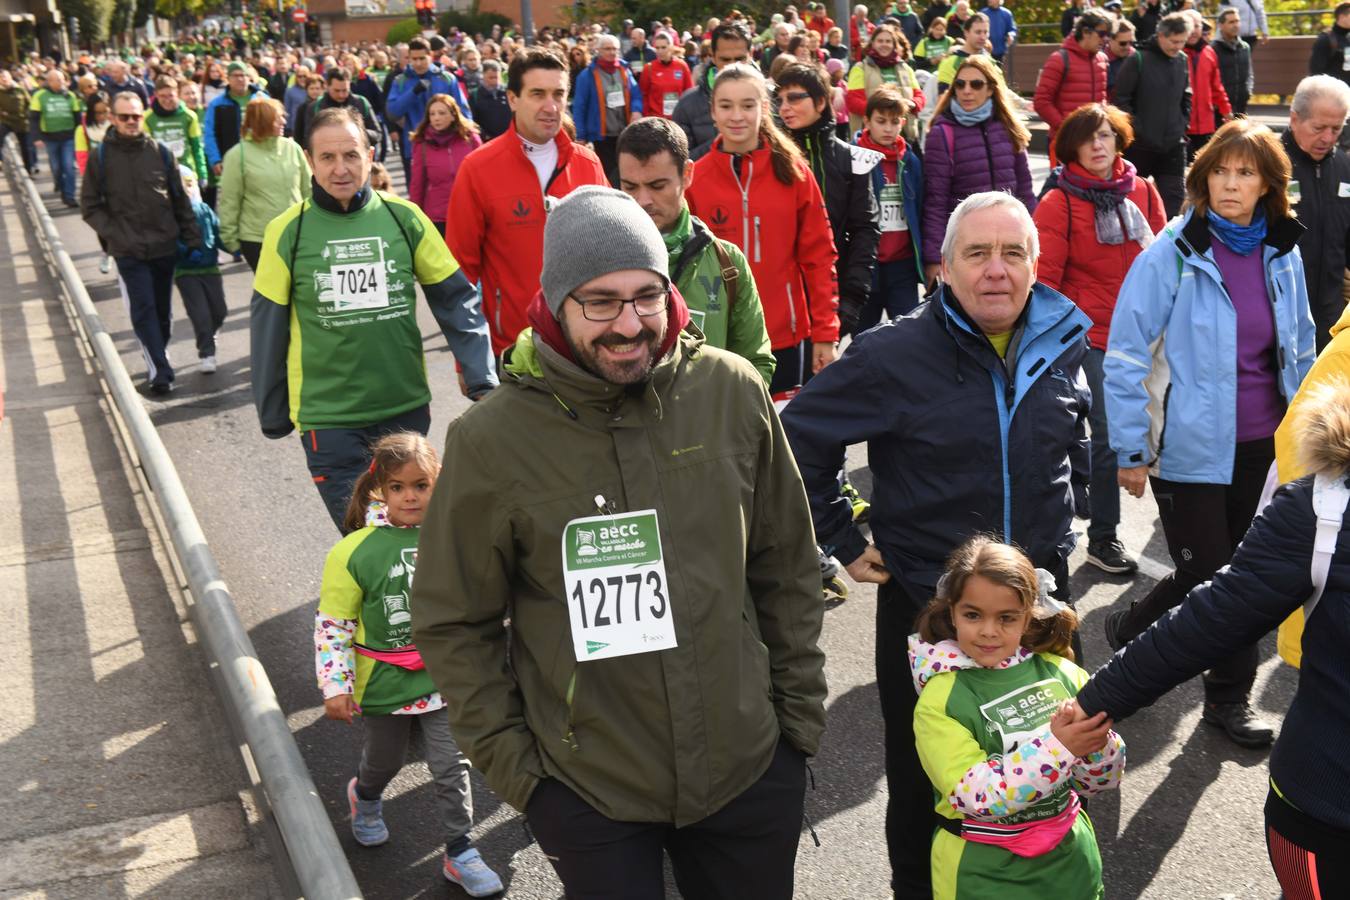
pixel 974 408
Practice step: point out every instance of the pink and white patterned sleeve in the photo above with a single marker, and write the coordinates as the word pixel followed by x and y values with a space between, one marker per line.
pixel 1002 785
pixel 1103 770
pixel 334 656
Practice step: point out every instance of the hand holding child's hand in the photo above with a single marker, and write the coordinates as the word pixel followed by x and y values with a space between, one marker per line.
pixel 1083 735
pixel 342 707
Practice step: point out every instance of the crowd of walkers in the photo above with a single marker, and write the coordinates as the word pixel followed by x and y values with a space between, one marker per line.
pixel 681 271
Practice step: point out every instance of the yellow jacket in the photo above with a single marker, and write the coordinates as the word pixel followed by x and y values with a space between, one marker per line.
pixel 1332 363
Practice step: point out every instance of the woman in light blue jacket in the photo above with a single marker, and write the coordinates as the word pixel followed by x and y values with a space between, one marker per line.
pixel 1210 338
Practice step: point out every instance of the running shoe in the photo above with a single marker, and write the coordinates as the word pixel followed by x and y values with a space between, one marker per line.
pixel 468 870
pixel 367 818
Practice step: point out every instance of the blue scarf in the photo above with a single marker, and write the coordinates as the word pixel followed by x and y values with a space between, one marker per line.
pixel 1241 239
pixel 975 116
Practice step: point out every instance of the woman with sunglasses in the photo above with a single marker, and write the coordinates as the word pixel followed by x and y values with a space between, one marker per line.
pixel 755 189
pixel 1094 203
pixel 802 96
pixel 977 142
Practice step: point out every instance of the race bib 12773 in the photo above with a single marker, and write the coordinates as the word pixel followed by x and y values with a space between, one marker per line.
pixel 618 597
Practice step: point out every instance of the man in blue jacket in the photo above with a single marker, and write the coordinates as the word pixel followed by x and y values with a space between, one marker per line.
pixel 223 123
pixel 607 99
pixel 974 408
pixel 414 86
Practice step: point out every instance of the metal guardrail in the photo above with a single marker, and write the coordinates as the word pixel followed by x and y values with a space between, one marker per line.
pixel 311 847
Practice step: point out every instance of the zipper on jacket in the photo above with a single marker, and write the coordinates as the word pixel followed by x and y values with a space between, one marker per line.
pixel 792 311
pixel 571 738
pixel 497 312
pixel 757 258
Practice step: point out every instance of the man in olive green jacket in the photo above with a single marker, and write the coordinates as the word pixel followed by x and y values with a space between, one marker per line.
pixel 712 274
pixel 628 499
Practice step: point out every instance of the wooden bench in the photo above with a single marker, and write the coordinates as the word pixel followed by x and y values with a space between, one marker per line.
pixel 1280 64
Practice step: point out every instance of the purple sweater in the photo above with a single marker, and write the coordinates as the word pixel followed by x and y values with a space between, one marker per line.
pixel 435 164
pixel 983 159
pixel 1260 407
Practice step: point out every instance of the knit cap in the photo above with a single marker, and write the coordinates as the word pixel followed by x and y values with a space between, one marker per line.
pixel 594 231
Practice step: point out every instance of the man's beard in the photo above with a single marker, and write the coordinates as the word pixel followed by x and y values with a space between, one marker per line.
pixel 635 371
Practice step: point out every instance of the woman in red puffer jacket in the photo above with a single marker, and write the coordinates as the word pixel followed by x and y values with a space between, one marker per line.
pixel 1095 204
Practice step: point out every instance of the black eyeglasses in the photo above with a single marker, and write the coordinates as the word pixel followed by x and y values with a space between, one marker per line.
pixel 975 84
pixel 791 97
pixel 1103 34
pixel 609 309
pixel 127 117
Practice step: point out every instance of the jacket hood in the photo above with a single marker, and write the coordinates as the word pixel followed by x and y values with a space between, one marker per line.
pixel 1323 444
pixel 1342 323
pixel 521 359
pixel 1074 47
pixel 927 660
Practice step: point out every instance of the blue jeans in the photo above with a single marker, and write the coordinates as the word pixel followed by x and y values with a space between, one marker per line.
pixel 61 158
pixel 895 291
pixel 1105 490
pixel 149 288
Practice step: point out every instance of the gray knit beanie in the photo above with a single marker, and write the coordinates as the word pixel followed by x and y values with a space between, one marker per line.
pixel 594 231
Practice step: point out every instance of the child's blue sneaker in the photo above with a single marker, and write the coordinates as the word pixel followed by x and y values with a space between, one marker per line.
pixel 468 870
pixel 367 818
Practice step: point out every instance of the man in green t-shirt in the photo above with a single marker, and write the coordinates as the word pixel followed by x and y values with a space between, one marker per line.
pixel 53 115
pixel 175 126
pixel 336 350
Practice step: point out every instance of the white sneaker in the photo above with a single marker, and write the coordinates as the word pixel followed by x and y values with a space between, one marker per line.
pixel 208 365
pixel 105 265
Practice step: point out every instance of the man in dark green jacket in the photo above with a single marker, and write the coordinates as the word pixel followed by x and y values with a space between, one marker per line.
pixel 14 100
pixel 338 93
pixel 628 499
pixel 712 274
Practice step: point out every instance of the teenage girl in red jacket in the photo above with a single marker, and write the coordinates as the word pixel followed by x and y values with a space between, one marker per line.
pixel 755 190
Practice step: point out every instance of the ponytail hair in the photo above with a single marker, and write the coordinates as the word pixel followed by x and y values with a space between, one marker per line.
pixel 789 166
pixel 1007 566
pixel 390 453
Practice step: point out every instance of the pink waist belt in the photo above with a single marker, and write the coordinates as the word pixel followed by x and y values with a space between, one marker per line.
pixel 404 657
pixel 1024 838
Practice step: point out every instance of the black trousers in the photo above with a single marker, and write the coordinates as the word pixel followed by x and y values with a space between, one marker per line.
pixel 1311 859
pixel 1203 524
pixel 338 456
pixel 252 252
pixel 1168 168
pixel 748 848
pixel 792 367
pixel 608 150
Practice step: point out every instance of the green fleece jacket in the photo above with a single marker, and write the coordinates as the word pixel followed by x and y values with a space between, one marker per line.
pixel 666 736
pixel 731 323
pixel 259 180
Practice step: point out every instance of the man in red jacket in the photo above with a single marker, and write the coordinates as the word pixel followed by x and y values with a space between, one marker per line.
pixel 495 223
pixel 664 80
pixel 1075 74
pixel 1207 91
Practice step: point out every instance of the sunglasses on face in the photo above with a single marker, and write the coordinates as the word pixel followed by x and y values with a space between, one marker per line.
pixel 127 117
pixel 975 84
pixel 1103 34
pixel 793 97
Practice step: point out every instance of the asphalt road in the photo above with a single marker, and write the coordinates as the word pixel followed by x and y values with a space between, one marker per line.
pixel 1186 823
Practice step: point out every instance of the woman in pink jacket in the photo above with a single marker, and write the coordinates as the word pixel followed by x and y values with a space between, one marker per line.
pixel 440 144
